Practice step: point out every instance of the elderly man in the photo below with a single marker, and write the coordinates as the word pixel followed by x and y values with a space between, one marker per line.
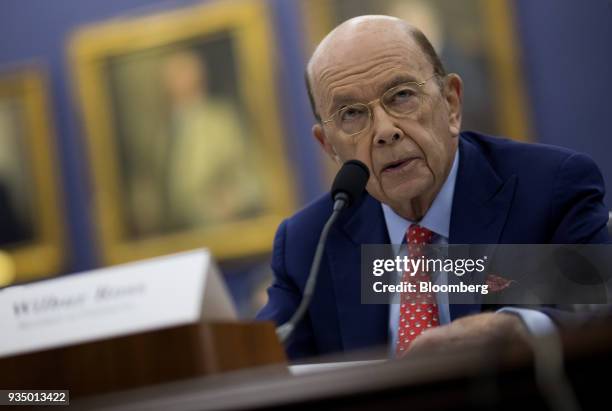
pixel 381 95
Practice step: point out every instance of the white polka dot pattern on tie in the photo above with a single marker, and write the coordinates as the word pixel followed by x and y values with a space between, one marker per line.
pixel 417 316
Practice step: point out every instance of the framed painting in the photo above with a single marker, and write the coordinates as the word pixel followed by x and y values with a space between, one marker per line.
pixel 183 130
pixel 31 223
pixel 474 38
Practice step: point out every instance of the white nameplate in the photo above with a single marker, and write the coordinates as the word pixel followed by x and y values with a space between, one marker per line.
pixel 126 299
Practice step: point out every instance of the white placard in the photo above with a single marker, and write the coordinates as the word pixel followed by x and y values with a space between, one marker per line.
pixel 126 299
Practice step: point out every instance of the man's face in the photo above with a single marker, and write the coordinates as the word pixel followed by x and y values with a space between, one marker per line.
pixel 410 156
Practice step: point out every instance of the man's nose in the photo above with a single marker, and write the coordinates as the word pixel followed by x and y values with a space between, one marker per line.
pixel 385 130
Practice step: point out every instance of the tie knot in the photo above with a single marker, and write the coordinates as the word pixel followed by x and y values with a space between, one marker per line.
pixel 419 235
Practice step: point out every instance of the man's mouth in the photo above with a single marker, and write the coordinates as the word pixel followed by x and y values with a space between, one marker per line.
pixel 398 165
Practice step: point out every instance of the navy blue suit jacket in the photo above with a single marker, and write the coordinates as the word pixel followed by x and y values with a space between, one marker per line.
pixel 506 192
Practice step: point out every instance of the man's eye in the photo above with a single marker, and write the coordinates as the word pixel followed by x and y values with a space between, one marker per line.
pixel 351 113
pixel 402 95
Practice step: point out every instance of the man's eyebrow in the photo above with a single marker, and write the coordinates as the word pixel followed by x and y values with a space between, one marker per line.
pixel 340 100
pixel 396 81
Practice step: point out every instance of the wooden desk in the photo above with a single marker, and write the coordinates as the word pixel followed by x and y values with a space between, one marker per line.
pixel 145 358
pixel 497 377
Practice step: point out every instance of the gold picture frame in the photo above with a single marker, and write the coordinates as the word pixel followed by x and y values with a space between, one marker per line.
pixel 495 32
pixel 245 26
pixel 29 177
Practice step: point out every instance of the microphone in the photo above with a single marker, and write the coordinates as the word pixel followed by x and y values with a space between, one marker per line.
pixel 349 183
pixel 347 188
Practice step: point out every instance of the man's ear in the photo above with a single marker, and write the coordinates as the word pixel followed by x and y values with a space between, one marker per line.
pixel 454 100
pixel 319 135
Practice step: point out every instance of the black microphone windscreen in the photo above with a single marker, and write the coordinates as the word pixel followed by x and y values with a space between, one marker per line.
pixel 351 180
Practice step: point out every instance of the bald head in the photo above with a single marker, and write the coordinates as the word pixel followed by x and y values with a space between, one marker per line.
pixel 343 45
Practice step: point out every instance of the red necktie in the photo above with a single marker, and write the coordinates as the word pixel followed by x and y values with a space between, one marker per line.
pixel 415 317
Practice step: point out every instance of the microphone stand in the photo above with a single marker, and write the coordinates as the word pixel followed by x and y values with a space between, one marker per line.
pixel 341 200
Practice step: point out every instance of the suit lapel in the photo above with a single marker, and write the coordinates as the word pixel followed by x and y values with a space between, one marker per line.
pixel 480 206
pixel 482 200
pixel 361 325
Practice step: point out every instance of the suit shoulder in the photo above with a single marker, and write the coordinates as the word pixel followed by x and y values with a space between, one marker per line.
pixel 312 216
pixel 504 145
pixel 506 154
pixel 297 237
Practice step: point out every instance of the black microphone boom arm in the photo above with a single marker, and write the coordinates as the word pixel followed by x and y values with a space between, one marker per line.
pixel 348 186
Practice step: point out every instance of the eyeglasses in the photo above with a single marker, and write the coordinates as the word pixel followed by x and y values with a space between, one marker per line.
pixel 398 101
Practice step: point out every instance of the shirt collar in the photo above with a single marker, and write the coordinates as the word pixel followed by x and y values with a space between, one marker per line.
pixel 436 219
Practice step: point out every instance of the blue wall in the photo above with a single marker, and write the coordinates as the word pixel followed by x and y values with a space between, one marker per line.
pixel 566 47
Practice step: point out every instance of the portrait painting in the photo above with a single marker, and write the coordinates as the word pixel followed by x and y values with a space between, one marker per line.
pixel 30 231
pixel 16 201
pixel 186 150
pixel 185 154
